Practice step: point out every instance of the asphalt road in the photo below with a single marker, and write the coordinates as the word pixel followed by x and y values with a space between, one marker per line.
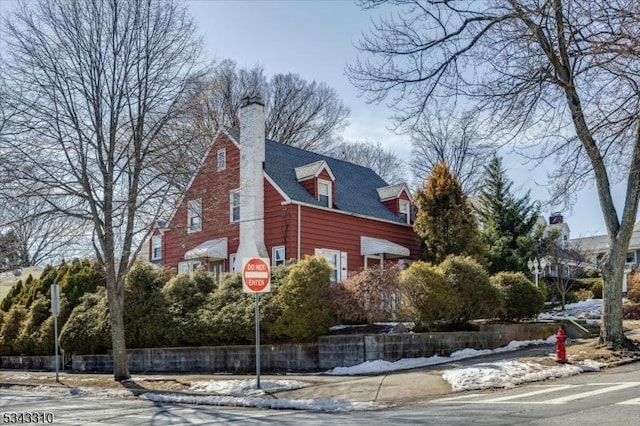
pixel 611 397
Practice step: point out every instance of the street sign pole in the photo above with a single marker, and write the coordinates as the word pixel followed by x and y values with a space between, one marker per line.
pixel 256 278
pixel 55 310
pixel 258 340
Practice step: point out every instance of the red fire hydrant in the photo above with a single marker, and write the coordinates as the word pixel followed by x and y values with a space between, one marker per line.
pixel 561 350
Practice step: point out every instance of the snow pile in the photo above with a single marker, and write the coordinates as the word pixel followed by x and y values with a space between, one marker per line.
pixel 258 402
pixel 591 308
pixel 245 387
pixel 505 374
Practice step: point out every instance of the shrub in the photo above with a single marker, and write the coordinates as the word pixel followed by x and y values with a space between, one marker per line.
pixel 31 341
pixel 426 295
pixel 633 287
pixel 631 311
pixel 521 298
pixel 304 300
pixel 145 312
pixel 596 288
pixel 11 326
pixel 185 295
pixel 229 316
pixel 88 330
pixel 370 295
pixel 477 297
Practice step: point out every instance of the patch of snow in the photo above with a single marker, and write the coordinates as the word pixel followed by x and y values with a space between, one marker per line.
pixel 585 309
pixel 505 374
pixel 257 402
pixel 245 387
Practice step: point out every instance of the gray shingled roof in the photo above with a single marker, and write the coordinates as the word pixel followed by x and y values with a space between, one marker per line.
pixel 356 186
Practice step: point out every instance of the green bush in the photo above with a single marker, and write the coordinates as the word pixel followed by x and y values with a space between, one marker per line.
pixel 477 297
pixel 304 302
pixel 370 295
pixel 229 316
pixel 11 327
pixel 596 288
pixel 30 340
pixel 521 298
pixel 145 312
pixel 88 330
pixel 427 296
pixel 185 296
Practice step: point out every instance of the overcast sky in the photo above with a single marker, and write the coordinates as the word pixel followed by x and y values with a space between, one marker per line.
pixel 315 39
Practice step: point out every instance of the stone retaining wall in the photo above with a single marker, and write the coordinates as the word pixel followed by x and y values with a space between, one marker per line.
pixel 329 352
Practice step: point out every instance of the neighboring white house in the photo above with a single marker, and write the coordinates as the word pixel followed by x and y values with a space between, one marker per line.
pixel 595 247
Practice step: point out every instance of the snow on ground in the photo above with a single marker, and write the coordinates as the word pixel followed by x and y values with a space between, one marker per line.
pixel 259 402
pixel 505 374
pixel 591 308
pixel 245 387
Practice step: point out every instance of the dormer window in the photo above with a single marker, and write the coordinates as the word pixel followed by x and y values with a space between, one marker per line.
pixel 405 211
pixel 324 193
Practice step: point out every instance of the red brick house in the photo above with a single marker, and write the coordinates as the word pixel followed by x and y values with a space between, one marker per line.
pixel 253 197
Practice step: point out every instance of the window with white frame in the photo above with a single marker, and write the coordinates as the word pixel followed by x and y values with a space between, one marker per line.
pixel 405 211
pixel 234 205
pixel 338 262
pixel 156 247
pixel 194 215
pixel 222 159
pixel 631 257
pixel 324 193
pixel 189 267
pixel 278 256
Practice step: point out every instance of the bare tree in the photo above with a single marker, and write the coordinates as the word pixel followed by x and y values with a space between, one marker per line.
pixel 38 234
pixel 455 140
pixel 98 85
pixel 563 72
pixel 565 264
pixel 382 161
pixel 305 114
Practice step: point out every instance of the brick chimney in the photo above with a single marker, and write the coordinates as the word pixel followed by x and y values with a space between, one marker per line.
pixel 252 134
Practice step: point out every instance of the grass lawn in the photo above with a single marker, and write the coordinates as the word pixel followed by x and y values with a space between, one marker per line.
pixel 8 280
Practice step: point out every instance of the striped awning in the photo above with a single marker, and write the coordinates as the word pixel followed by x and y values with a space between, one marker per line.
pixel 212 249
pixel 376 246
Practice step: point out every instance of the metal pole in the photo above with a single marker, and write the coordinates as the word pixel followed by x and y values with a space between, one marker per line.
pixel 536 272
pixel 55 334
pixel 258 339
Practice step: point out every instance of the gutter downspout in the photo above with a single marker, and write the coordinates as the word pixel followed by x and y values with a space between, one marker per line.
pixel 299 230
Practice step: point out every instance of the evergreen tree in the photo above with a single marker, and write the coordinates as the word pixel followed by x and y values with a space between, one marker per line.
pixel 444 220
pixel 507 222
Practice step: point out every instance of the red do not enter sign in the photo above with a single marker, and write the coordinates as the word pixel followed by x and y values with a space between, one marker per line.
pixel 256 275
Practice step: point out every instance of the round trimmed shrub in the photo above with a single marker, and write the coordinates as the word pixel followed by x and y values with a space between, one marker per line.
pixel 521 297
pixel 304 302
pixel 477 297
pixel 427 296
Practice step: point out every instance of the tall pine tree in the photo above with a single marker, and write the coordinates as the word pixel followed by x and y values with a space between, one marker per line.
pixel 507 222
pixel 445 220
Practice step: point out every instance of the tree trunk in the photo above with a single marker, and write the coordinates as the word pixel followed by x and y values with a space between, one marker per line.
pixel 115 294
pixel 611 330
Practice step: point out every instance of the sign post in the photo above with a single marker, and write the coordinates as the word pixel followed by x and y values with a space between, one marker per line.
pixel 55 310
pixel 256 278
